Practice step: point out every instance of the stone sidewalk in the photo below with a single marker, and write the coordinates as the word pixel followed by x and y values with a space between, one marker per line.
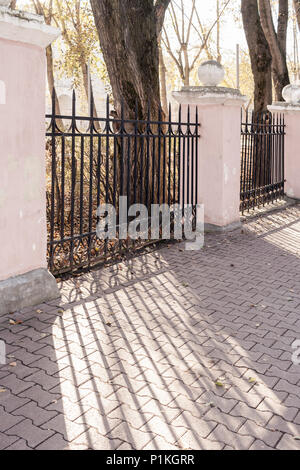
pixel 171 350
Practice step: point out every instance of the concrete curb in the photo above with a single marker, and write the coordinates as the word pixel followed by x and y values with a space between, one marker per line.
pixel 27 290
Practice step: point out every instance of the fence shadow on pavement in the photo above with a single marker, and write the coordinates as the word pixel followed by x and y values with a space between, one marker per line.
pixel 170 350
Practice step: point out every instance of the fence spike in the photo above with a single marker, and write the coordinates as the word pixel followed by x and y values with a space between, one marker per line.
pixel 159 114
pixel 107 107
pixel 91 104
pixel 53 101
pixel 122 109
pixel 148 111
pixel 73 103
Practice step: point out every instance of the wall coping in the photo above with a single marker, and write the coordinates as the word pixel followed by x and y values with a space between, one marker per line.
pixel 281 106
pixel 26 27
pixel 209 95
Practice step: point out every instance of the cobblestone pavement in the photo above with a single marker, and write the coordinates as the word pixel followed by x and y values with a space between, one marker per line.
pixel 171 350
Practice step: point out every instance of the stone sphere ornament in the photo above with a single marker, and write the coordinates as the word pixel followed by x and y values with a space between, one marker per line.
pixel 211 73
pixel 291 93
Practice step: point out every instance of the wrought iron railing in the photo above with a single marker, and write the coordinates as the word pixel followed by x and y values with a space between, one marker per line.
pixel 91 161
pixel 262 159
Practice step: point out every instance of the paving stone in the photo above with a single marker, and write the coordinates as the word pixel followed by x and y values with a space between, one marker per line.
pixel 92 440
pixel 11 402
pixel 171 434
pixel 280 424
pixel 37 415
pixel 160 444
pixel 15 385
pixel 288 443
pixel 270 438
pixel 260 445
pixel 19 444
pixel 55 442
pixel 68 429
pixel 6 441
pixel 192 440
pixel 222 435
pixel 231 422
pixel 32 434
pixel 7 420
pixel 126 433
pixel 41 397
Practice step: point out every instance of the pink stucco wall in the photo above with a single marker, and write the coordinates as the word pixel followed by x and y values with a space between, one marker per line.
pixel 292 154
pixel 219 162
pixel 22 171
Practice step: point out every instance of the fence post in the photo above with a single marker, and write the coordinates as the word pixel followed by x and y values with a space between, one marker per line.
pixel 219 151
pixel 291 146
pixel 24 279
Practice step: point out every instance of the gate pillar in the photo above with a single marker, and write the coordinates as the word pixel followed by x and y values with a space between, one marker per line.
pixel 291 146
pixel 219 151
pixel 24 279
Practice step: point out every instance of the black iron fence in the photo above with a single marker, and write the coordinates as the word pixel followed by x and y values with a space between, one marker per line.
pixel 262 168
pixel 92 161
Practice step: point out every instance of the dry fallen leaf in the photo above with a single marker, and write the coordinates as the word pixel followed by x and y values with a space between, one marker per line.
pixel 219 384
pixel 2 390
pixel 17 322
pixel 252 380
pixel 13 364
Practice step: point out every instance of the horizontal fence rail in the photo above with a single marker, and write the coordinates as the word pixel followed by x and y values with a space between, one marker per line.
pixel 262 159
pixel 93 161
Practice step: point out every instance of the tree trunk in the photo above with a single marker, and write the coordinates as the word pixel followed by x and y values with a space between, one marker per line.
pixel 88 87
pixel 50 77
pixel 128 33
pixel 163 80
pixel 277 42
pixel 261 59
pixel 186 65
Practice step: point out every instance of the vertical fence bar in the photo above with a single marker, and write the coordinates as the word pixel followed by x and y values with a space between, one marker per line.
pixel 90 224
pixel 107 156
pixel 62 213
pixel 53 176
pixel 188 168
pixel 169 154
pixel 179 162
pixel 197 155
pixel 82 150
pixel 73 177
pixel 159 156
pixel 148 133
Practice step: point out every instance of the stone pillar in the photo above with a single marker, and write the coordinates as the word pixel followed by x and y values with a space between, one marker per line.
pixel 219 111
pixel 291 147
pixel 24 279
